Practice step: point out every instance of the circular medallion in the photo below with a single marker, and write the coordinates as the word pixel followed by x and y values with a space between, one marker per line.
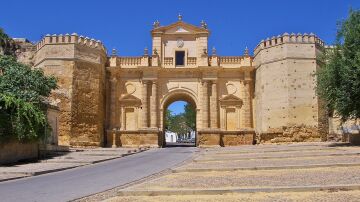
pixel 130 88
pixel 231 88
pixel 180 43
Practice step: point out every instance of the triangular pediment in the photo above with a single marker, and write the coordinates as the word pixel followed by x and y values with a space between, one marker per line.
pixel 181 30
pixel 231 100
pixel 180 27
pixel 230 97
pixel 129 100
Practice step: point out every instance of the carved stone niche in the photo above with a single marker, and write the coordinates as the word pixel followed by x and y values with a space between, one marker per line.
pixel 230 112
pixel 129 112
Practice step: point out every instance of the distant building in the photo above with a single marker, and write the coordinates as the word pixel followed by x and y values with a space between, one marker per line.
pixel 170 136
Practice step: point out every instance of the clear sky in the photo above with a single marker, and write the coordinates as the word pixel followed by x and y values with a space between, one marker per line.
pixel 126 25
pixel 177 107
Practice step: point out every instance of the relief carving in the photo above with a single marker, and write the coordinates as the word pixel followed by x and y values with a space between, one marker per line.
pixel 231 88
pixel 130 88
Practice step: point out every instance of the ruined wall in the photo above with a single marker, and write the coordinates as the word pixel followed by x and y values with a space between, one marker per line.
pixel 25 52
pixel 13 151
pixel 79 65
pixel 287 108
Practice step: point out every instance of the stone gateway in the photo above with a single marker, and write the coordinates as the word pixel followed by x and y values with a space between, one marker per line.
pixel 120 101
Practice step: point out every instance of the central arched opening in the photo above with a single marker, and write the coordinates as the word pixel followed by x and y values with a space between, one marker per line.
pixel 179 121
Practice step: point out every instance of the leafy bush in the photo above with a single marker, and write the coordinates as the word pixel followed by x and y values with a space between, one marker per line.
pixel 22 94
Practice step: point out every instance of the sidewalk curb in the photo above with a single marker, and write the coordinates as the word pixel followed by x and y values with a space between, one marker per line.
pixel 273 151
pixel 14 178
pixel 265 167
pixel 36 173
pixel 273 157
pixel 239 190
pixel 29 174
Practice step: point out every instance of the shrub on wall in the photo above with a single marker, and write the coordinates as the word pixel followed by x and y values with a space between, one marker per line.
pixel 22 94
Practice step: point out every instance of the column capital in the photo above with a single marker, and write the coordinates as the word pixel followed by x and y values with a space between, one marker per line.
pixel 210 81
pixel 145 82
pixel 205 81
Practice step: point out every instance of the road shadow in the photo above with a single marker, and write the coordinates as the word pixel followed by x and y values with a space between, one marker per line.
pixel 175 144
pixel 342 144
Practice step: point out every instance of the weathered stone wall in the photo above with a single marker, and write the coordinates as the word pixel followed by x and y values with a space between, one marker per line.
pixel 287 107
pixel 88 104
pixel 79 65
pixel 225 138
pixel 290 133
pixel 208 138
pixel 238 138
pixel 62 96
pixel 13 151
pixel 134 138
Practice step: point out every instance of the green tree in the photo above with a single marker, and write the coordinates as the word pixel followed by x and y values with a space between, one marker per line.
pixel 190 116
pixel 25 83
pixel 339 79
pixel 182 123
pixel 168 118
pixel 178 124
pixel 22 94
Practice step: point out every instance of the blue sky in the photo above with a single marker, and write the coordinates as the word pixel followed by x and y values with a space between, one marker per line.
pixel 177 107
pixel 126 25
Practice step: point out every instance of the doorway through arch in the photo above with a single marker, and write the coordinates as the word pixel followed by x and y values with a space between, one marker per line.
pixel 179 121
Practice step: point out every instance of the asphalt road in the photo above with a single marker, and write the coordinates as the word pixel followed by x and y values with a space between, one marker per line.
pixel 79 182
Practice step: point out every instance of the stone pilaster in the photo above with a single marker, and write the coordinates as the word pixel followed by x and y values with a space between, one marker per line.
pixel 238 125
pixel 153 105
pixel 113 83
pixel 122 126
pixel 205 103
pixel 117 104
pixel 145 109
pixel 114 139
pixel 214 106
pixel 223 118
pixel 247 105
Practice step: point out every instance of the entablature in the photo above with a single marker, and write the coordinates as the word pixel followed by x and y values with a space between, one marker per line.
pixel 204 73
pixel 190 62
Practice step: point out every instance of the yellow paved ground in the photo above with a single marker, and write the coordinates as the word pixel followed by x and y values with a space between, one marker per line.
pixel 343 196
pixel 319 167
